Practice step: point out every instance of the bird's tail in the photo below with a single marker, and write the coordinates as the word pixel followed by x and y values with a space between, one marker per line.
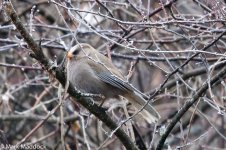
pixel 149 113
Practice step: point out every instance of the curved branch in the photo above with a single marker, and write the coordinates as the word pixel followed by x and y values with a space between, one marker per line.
pixel 214 81
pixel 186 76
pixel 58 73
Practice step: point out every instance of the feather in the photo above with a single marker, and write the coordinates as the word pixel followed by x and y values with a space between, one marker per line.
pixel 149 113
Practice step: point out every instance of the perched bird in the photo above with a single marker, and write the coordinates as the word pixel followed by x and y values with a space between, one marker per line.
pixel 91 72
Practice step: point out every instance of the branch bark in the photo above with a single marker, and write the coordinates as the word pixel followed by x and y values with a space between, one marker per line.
pixel 58 73
pixel 214 81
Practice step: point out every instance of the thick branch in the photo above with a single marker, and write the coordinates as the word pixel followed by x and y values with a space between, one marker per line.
pixel 60 76
pixel 215 80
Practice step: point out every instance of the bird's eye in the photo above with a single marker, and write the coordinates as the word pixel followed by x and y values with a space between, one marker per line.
pixel 75 52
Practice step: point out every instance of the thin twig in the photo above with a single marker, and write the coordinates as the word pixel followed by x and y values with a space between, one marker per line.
pixel 214 81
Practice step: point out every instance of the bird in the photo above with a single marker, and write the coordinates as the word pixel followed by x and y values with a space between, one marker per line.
pixel 91 72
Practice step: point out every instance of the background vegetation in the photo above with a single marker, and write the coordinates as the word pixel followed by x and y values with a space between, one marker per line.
pixel 174 51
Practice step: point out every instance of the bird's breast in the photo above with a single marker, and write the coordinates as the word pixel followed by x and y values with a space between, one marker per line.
pixel 84 78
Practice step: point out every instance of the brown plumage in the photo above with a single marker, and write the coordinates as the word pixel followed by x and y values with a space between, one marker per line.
pixel 91 72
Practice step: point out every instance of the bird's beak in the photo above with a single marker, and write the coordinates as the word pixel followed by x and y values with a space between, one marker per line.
pixel 69 55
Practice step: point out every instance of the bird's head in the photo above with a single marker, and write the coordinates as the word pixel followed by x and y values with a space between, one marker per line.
pixel 79 51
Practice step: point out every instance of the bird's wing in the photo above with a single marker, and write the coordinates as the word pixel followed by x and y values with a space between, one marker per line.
pixel 115 81
pixel 111 75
